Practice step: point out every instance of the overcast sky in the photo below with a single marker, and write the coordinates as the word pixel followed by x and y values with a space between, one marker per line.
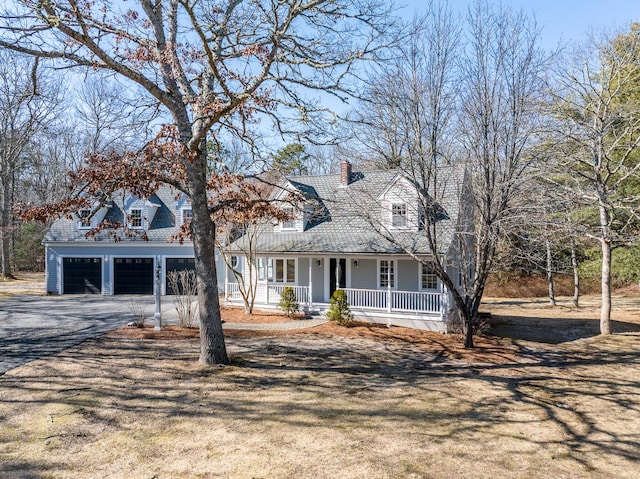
pixel 567 20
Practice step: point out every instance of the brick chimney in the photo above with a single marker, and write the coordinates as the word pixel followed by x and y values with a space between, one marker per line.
pixel 345 173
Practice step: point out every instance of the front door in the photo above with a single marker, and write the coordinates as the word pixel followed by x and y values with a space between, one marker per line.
pixel 337 274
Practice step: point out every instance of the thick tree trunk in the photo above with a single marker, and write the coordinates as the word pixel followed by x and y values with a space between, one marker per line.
pixel 212 345
pixel 552 295
pixel 468 333
pixel 576 276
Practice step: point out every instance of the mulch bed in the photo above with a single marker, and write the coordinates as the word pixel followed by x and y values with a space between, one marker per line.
pixel 487 349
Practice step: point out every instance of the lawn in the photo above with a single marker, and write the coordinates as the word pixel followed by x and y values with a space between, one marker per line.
pixel 361 402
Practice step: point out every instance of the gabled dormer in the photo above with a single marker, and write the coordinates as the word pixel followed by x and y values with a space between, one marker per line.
pixel 183 211
pixel 401 208
pixel 140 212
pixel 91 216
pixel 294 209
pixel 86 221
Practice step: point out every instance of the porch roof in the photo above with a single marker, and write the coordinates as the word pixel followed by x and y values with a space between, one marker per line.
pixel 347 242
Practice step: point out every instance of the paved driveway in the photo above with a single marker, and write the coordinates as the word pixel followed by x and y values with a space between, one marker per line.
pixel 36 326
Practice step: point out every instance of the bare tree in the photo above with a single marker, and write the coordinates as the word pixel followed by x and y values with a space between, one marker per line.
pixel 28 100
pixel 56 151
pixel 502 87
pixel 464 118
pixel 598 126
pixel 214 66
pixel 110 117
pixel 243 237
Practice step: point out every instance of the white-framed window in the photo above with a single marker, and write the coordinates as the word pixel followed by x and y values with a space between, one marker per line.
pixel 288 224
pixel 84 216
pixel 263 270
pixel 187 215
pixel 386 273
pixel 399 215
pixel 135 218
pixel 277 270
pixel 235 261
pixel 428 278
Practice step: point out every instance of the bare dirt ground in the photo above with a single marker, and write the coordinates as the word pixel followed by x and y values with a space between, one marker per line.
pixel 546 399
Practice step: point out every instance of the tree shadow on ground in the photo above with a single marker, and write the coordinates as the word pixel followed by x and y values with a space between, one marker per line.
pixel 303 383
pixel 552 330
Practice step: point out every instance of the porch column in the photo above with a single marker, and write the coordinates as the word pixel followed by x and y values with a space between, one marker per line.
pixel 444 300
pixel 226 279
pixel 389 286
pixel 310 302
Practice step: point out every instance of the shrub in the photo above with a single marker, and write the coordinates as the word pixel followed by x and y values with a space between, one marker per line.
pixel 288 301
pixel 138 312
pixel 184 285
pixel 339 310
pixel 481 325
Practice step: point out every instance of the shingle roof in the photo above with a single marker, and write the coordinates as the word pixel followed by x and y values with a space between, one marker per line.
pixel 343 221
pixel 349 214
pixel 162 228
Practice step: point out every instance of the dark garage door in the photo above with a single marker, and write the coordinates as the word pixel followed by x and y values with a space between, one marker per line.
pixel 177 264
pixel 133 276
pixel 82 275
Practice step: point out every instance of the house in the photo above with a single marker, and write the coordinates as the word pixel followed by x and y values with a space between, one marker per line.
pixel 349 231
pixel 353 231
pixel 124 260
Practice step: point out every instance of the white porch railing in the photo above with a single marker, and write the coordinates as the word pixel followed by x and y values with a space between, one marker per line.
pixel 391 300
pixel 365 299
pixel 268 293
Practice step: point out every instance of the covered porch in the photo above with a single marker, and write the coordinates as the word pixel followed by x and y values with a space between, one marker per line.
pixel 414 309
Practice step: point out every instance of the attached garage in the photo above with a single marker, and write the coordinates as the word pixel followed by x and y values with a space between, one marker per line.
pixel 82 275
pixel 133 276
pixel 177 264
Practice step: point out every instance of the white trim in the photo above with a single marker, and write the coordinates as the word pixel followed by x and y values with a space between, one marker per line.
pixel 394 262
pixel 326 262
pixel 420 288
pixel 80 218
pixel 273 278
pixel 405 216
pixel 292 222
pixel 117 244
pixel 182 210
pixel 130 215
pixel 390 185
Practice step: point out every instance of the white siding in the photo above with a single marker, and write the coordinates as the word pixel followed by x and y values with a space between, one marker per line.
pixel 407 277
pixel 364 276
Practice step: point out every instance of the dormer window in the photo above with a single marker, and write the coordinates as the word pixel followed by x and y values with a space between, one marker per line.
pixel 187 216
pixel 85 219
pixel 289 224
pixel 136 218
pixel 399 215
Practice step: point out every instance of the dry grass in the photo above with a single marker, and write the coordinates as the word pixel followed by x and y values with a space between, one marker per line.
pixel 24 283
pixel 361 402
pixel 510 285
